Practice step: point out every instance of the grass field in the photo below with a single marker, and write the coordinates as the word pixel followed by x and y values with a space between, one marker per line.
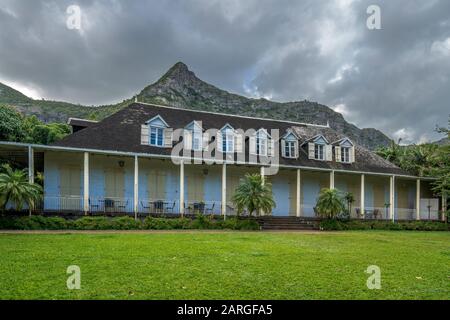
pixel 226 265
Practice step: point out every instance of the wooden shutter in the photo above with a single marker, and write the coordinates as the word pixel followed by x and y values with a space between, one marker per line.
pixel 252 144
pixel 219 140
pixel 352 154
pixel 144 134
pixel 283 148
pixel 168 133
pixel 311 150
pixel 296 149
pixel 238 142
pixel 337 153
pixel 271 147
pixel 328 152
pixel 187 139
pixel 205 141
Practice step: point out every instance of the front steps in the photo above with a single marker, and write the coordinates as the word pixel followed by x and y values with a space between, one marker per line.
pixel 287 223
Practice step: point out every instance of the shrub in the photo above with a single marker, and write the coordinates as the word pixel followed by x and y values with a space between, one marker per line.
pixel 203 222
pixel 151 223
pixel 93 223
pixel 124 223
pixel 383 225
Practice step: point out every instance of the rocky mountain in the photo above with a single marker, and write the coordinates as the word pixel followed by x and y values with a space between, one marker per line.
pixel 180 87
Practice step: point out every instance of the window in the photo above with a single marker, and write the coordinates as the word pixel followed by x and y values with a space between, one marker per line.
pixel 227 140
pixel 345 154
pixel 156 136
pixel 318 151
pixel 261 144
pixel 289 149
pixel 196 140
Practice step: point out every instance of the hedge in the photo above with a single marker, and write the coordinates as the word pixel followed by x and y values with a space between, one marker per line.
pixel 383 225
pixel 123 223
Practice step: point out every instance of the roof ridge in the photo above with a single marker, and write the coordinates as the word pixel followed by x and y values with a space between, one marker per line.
pixel 233 115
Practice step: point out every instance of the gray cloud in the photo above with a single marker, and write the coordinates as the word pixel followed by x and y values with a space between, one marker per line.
pixel 396 79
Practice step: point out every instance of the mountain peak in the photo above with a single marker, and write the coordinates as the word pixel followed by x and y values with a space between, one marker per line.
pixel 179 73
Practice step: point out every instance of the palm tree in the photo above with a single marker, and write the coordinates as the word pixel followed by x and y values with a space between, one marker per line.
pixel 329 204
pixel 350 199
pixel 15 188
pixel 253 194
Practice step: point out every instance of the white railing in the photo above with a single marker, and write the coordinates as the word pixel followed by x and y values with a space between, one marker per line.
pixel 203 207
pixel 158 206
pixel 71 203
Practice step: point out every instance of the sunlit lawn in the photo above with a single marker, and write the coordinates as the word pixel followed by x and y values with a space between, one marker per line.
pixel 226 265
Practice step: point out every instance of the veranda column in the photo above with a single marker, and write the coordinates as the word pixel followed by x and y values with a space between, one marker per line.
pixel 418 199
pixel 86 183
pixel 262 213
pixel 332 179
pixel 224 191
pixel 30 170
pixel 298 206
pixel 444 206
pixel 30 164
pixel 363 194
pixel 392 198
pixel 136 187
pixel 182 187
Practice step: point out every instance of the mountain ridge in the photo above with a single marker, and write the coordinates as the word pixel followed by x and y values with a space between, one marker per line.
pixel 180 87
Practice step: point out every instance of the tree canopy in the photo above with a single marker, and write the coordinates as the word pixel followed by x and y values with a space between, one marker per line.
pixel 428 159
pixel 18 128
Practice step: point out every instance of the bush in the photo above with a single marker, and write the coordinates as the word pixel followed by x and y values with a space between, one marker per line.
pixel 151 223
pixel 124 223
pixel 383 225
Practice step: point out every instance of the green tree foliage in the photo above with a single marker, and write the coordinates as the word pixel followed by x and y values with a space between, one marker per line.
pixel 15 127
pixel 428 159
pixel 10 124
pixel 329 204
pixel 253 195
pixel 15 189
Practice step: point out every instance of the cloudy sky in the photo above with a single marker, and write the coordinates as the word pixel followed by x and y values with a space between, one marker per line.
pixel 396 79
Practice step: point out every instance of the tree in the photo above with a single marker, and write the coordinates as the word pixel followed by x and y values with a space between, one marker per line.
pixel 329 204
pixel 15 127
pixel 253 195
pixel 15 189
pixel 10 124
pixel 350 199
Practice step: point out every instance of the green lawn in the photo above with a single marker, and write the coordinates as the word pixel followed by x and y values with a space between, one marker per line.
pixel 226 265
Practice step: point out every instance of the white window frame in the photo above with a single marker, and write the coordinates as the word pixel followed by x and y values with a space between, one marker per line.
pixel 159 133
pixel 289 148
pixel 227 140
pixel 319 151
pixel 197 135
pixel 345 154
pixel 261 143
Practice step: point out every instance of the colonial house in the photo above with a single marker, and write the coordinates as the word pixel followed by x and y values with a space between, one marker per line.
pixel 148 159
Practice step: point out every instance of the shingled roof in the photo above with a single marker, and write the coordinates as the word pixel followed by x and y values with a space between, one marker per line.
pixel 122 130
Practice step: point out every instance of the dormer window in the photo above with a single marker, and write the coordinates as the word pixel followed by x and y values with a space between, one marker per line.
pixel 319 149
pixel 226 140
pixel 156 136
pixel 261 142
pixel 156 132
pixel 289 145
pixel 344 151
pixel 197 141
pixel 319 152
pixel 194 136
pixel 345 154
